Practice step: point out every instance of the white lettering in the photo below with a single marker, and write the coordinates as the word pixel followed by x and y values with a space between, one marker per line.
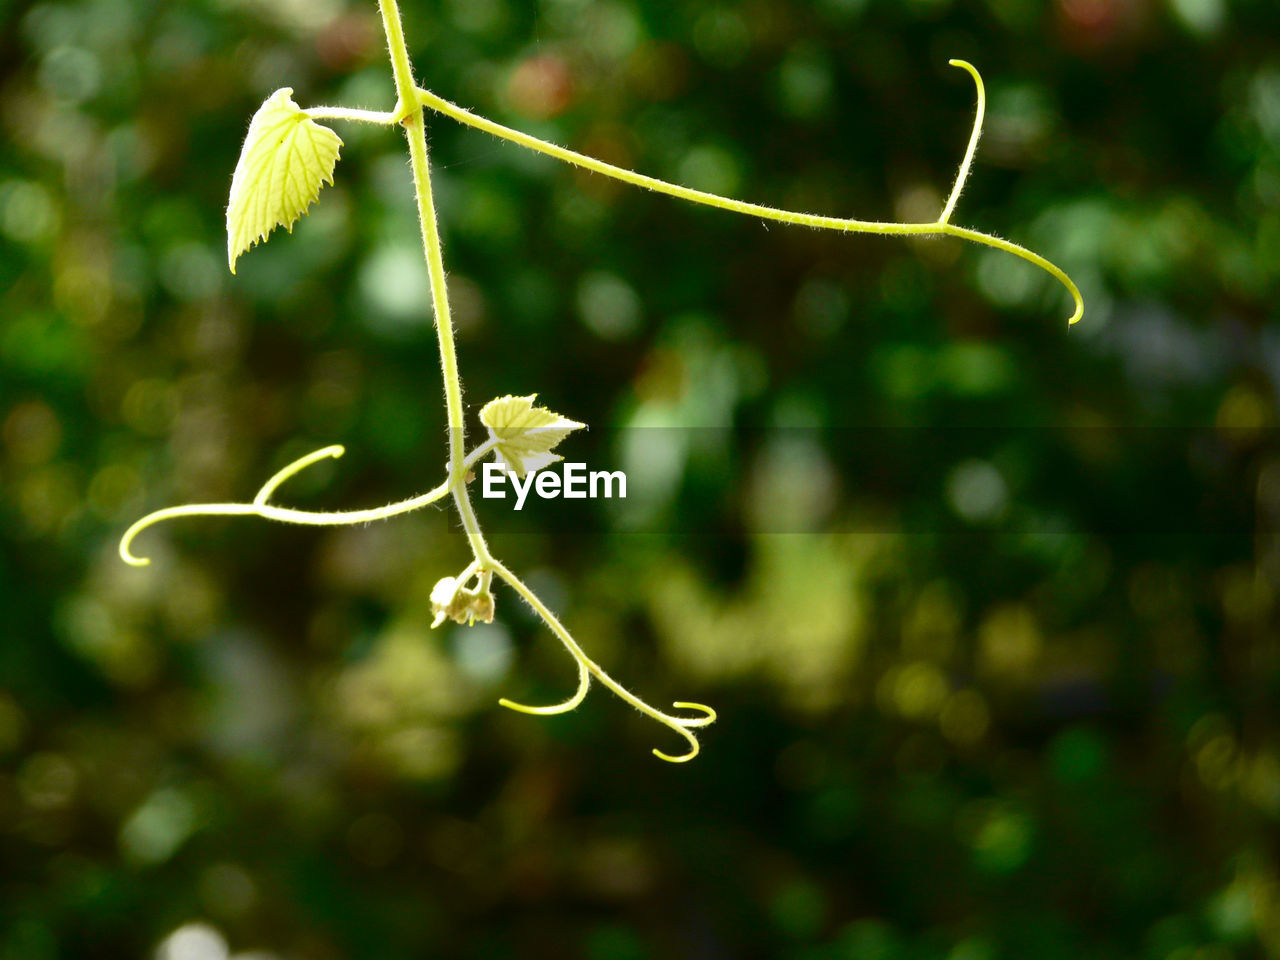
pixel 608 478
pixel 522 490
pixel 494 473
pixel 572 483
pixel 548 485
pixel 575 473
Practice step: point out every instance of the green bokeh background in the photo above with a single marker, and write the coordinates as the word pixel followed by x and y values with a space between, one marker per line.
pixel 987 606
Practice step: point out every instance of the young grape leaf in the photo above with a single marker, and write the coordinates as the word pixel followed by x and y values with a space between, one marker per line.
pixel 525 434
pixel 285 160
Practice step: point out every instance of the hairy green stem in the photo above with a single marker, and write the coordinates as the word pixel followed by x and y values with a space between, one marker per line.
pixel 317 518
pixel 979 114
pixel 351 113
pixel 414 123
pixel 939 227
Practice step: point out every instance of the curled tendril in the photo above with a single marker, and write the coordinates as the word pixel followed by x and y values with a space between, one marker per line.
pixel 588 668
pixel 260 508
pixel 584 683
pixel 942 226
pixel 272 485
pixel 681 725
pixel 979 114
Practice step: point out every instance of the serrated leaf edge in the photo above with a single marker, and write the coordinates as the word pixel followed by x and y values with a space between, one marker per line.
pixel 238 243
pixel 521 461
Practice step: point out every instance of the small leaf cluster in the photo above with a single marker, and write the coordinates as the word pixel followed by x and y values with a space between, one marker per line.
pixel 524 435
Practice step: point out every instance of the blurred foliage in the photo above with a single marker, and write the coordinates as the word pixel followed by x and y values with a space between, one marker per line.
pixel 987 607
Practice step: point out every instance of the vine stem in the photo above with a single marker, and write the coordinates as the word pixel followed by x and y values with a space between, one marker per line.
pixel 414 123
pixel 979 114
pixel 939 227
pixel 351 113
pixel 317 518
pixel 410 111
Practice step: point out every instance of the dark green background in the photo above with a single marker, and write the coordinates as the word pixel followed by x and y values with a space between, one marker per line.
pixel 987 606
